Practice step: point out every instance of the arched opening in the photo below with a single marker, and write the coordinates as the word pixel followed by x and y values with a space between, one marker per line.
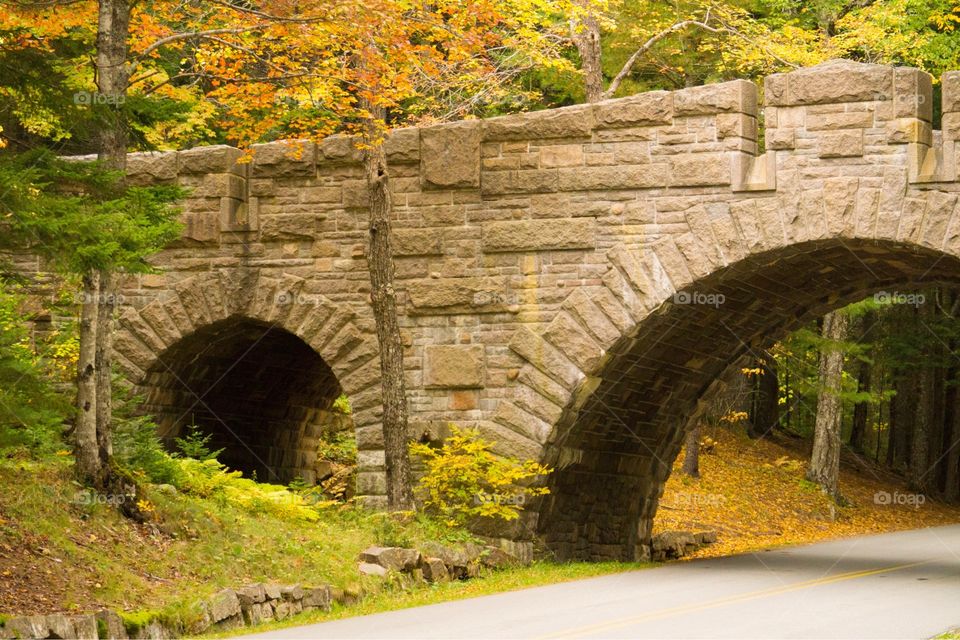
pixel 263 394
pixel 614 450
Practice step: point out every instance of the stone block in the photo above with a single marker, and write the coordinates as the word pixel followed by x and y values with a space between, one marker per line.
pixel 641 176
pixel 453 366
pixel 417 242
pixel 834 81
pixel 219 158
pixel 841 144
pixel 539 235
pixel 150 167
pixel 951 92
pixel 643 109
pixel 434 570
pixel 284 158
pixel 736 96
pixel 567 122
pixel 456 295
pixel 450 157
pixel 706 169
pixel 402 145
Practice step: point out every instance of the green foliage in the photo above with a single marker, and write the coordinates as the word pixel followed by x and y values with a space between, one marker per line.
pixel 80 217
pixel 32 410
pixel 136 445
pixel 464 479
pixel 342 404
pixel 196 444
pixel 340 448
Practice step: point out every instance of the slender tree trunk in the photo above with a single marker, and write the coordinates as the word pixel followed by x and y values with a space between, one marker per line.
pixel 825 460
pixel 85 434
pixel 691 457
pixel 766 399
pixel 586 37
pixel 920 440
pixel 861 411
pixel 384 300
pixel 952 480
pixel 113 28
pixel 104 372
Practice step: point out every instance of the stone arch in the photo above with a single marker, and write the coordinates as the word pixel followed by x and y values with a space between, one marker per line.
pixel 609 384
pixel 276 352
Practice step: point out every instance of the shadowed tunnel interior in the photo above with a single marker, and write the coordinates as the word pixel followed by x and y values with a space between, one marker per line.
pixel 262 393
pixel 614 453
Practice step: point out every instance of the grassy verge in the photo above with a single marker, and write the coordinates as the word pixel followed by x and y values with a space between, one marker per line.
pixel 537 574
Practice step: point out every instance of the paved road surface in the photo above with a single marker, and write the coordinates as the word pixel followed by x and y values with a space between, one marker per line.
pixel 898 585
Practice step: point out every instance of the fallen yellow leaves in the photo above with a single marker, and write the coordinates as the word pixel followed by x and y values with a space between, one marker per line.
pixel 753 493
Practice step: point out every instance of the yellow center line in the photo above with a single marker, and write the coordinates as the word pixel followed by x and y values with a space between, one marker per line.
pixel 580 632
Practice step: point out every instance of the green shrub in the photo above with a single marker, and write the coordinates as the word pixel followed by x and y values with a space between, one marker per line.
pixel 136 445
pixel 196 444
pixel 464 480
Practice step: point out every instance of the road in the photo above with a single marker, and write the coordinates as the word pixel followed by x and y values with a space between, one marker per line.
pixel 897 585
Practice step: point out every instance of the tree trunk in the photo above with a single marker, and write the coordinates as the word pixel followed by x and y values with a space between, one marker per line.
pixel 920 440
pixel 86 452
pixel 952 481
pixel 691 458
pixel 384 301
pixel 825 460
pixel 861 411
pixel 586 37
pixel 113 29
pixel 104 373
pixel 765 413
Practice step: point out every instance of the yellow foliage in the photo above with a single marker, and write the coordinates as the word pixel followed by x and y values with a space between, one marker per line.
pixel 464 479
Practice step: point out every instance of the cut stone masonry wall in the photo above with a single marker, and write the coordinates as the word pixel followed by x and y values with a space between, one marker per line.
pixel 571 281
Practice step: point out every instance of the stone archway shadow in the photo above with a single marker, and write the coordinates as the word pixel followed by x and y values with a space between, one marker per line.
pixel 257 362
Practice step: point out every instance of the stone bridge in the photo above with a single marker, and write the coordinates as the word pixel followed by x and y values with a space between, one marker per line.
pixel 572 282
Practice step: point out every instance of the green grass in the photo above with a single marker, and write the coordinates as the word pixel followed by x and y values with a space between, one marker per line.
pixel 197 546
pixel 535 575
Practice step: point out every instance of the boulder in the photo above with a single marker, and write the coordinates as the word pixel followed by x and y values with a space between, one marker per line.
pixel 317 598
pixel 292 593
pixel 496 558
pixel 272 591
pixel 113 624
pixel 29 627
pixel 251 594
pixel 222 605
pixel 434 570
pixel 392 558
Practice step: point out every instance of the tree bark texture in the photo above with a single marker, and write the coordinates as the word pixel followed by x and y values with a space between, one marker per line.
pixel 825 459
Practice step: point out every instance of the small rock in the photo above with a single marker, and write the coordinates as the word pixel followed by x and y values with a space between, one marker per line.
pixel 705 537
pixel 29 627
pixel 392 558
pixel 223 605
pixel 272 591
pixel 317 598
pixel 283 610
pixel 370 569
pixel 113 624
pixel 434 570
pixel 292 593
pixel 166 488
pixel 496 558
pixel 85 628
pixel 251 594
